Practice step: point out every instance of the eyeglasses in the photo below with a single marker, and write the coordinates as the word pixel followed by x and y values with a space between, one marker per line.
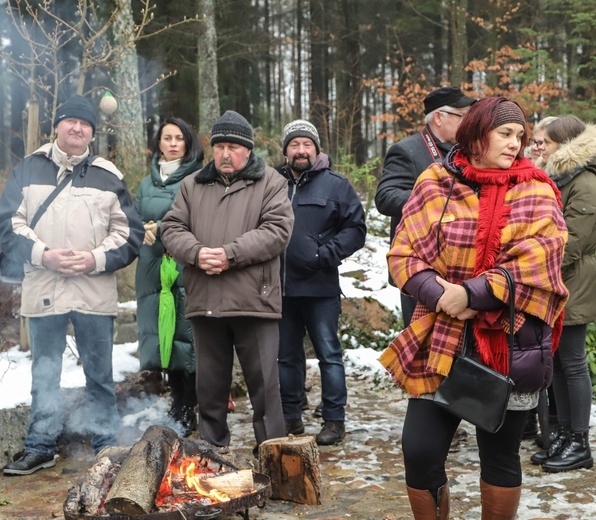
pixel 452 113
pixel 538 143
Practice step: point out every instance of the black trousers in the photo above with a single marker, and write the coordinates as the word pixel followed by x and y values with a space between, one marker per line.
pixel 427 434
pixel 256 341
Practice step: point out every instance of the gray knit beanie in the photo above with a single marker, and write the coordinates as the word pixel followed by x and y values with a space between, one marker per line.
pixel 77 107
pixel 509 112
pixel 301 128
pixel 232 128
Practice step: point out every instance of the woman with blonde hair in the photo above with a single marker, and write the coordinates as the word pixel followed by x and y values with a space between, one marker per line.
pixel 536 142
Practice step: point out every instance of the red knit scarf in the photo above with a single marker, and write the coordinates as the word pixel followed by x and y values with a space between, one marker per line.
pixel 493 216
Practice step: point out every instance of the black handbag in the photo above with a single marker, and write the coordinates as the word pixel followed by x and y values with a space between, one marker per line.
pixel 472 390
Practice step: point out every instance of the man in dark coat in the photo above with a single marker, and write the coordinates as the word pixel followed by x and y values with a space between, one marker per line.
pixel 407 159
pixel 329 227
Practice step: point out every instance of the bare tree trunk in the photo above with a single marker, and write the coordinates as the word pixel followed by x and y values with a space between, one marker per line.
pixel 319 85
pixel 298 62
pixel 459 51
pixel 208 95
pixel 130 134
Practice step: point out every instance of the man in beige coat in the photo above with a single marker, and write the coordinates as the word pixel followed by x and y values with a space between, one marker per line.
pixel 228 226
pixel 70 251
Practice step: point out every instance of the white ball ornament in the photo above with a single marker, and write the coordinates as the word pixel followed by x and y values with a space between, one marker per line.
pixel 108 104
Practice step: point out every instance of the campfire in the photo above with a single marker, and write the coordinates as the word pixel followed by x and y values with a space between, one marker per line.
pixel 164 477
pixel 192 479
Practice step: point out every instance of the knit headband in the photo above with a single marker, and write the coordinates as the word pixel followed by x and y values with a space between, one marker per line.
pixel 509 112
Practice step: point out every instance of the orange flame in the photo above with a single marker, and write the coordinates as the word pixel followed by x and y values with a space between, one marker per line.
pixel 191 476
pixel 187 470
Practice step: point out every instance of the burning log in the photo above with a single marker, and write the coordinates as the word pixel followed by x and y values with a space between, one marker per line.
pixel 292 463
pixel 89 496
pixel 233 484
pixel 135 487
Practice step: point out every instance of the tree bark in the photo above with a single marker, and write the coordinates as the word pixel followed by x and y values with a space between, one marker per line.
pixel 319 85
pixel 459 50
pixel 208 95
pixel 130 132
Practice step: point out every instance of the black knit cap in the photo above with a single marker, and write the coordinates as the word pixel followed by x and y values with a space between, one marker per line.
pixel 77 107
pixel 446 96
pixel 232 128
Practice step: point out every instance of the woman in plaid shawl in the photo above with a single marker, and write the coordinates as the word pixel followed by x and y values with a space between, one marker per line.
pixel 486 206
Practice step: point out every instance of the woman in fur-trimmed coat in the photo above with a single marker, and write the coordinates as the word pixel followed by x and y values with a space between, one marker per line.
pixel 569 158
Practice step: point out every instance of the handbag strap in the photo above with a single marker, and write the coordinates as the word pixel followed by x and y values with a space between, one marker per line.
pixel 468 324
pixel 511 284
pixel 46 203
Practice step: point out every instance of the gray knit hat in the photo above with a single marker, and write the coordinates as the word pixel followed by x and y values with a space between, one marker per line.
pixel 301 128
pixel 77 107
pixel 232 128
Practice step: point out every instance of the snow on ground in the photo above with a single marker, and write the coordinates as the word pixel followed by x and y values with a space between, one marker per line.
pixel 361 363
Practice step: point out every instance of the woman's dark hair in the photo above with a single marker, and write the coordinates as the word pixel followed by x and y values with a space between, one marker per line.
pixel 476 125
pixel 564 129
pixel 194 149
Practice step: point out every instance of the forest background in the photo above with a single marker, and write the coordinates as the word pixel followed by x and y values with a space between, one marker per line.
pixel 358 69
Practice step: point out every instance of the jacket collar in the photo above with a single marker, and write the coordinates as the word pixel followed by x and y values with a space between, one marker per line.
pixel 322 162
pixel 254 170
pixel 184 170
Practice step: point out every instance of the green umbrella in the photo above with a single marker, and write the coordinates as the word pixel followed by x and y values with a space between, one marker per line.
pixel 166 321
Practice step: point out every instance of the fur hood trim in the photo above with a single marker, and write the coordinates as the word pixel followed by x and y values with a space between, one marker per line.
pixel 573 156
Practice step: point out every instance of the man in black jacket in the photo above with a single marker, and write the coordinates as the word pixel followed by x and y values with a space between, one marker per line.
pixel 328 227
pixel 407 159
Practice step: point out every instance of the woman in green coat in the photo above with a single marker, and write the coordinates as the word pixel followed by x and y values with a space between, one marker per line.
pixel 569 158
pixel 166 345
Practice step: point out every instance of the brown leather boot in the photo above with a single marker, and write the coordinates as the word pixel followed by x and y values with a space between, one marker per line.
pixel 424 506
pixel 499 503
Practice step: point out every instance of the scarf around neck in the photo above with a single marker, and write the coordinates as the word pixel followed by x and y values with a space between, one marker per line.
pixel 493 216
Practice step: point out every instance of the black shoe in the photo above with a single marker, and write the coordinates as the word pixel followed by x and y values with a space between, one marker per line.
pixel 29 463
pixel 331 433
pixel 539 440
pixel 188 420
pixel 574 455
pixel 318 410
pixel 554 448
pixel 294 426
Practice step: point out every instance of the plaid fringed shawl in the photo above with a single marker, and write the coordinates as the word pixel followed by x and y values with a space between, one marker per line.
pixel 516 223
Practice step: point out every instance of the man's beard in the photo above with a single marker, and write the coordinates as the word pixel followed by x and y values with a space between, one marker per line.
pixel 301 167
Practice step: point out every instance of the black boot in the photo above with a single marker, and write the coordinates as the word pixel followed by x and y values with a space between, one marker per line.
pixel 555 447
pixel 188 420
pixel 531 429
pixel 574 455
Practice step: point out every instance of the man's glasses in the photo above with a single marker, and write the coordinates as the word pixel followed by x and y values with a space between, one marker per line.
pixel 452 113
pixel 539 143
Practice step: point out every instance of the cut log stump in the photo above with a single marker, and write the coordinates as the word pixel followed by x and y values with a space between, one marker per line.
pixel 292 464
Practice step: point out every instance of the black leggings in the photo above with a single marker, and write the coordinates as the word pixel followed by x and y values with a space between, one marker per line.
pixel 428 431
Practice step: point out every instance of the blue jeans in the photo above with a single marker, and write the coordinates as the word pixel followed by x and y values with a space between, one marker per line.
pixel 319 317
pixel 94 336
